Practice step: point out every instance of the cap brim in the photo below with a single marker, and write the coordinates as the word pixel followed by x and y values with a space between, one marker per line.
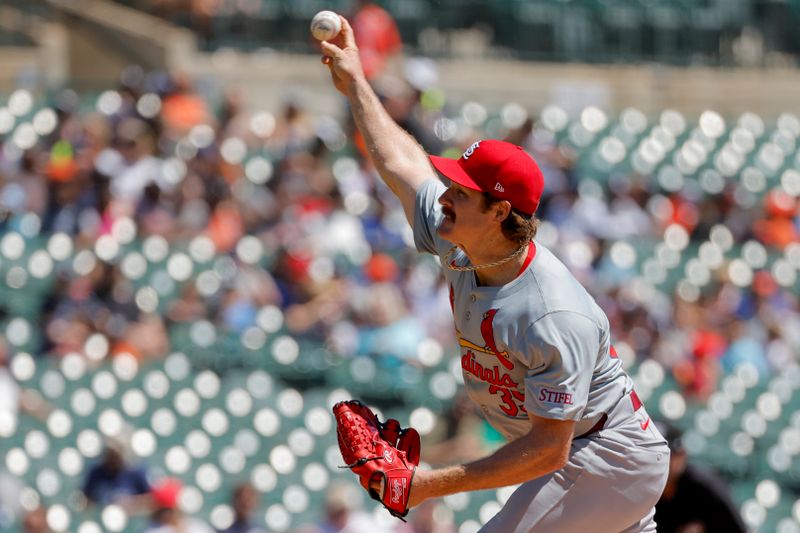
pixel 454 172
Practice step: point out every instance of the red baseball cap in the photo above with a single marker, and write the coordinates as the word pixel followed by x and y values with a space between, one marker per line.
pixel 166 494
pixel 499 168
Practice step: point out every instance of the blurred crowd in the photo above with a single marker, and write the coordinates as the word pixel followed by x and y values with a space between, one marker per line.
pixel 312 234
pixel 307 227
pixel 302 223
pixel 113 480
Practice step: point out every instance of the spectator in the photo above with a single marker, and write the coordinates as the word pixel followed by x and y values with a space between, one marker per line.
pixel 190 307
pixel 9 391
pixel 695 498
pixel 136 143
pixel 699 373
pixel 10 506
pixel 779 351
pixel 402 101
pixel 425 519
pixel 294 129
pixel 462 436
pixel 167 516
pixel 67 207
pixel 245 502
pixel 35 521
pixel 114 481
pixel 15 399
pixel 343 512
pixel 377 35
pixel 385 326
pixel 182 107
pixel 745 348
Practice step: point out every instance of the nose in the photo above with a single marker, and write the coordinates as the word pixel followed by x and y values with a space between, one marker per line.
pixel 444 199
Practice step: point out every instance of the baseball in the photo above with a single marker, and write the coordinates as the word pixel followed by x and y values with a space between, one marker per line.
pixel 325 25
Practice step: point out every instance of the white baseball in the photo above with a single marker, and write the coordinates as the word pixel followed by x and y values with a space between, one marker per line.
pixel 325 25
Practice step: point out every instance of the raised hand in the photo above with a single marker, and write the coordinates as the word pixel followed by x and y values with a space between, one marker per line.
pixel 341 56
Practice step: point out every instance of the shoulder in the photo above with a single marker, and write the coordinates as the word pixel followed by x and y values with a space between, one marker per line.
pixel 557 289
pixel 431 188
pixel 564 326
pixel 552 275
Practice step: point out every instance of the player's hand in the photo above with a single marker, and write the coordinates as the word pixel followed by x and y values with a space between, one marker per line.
pixel 341 56
pixel 384 467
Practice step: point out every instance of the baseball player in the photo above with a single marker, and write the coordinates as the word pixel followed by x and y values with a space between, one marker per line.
pixel 536 351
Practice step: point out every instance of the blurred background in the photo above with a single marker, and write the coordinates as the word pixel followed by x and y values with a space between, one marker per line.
pixel 197 260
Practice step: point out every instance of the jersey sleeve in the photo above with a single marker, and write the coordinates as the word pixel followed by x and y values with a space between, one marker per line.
pixel 563 348
pixel 427 216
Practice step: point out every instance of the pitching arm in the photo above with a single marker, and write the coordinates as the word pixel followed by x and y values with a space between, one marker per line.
pixel 543 450
pixel 398 157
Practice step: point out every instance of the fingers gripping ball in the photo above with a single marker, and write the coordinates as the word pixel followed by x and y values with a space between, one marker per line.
pixel 377 461
pixel 325 25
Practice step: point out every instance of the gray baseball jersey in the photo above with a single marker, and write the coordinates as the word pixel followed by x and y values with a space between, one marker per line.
pixel 539 344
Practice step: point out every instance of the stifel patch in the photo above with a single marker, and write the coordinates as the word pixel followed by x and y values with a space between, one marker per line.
pixel 555 396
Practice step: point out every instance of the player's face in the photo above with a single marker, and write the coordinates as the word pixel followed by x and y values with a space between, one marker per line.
pixel 466 221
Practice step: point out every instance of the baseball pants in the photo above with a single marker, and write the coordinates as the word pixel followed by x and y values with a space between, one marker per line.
pixel 611 482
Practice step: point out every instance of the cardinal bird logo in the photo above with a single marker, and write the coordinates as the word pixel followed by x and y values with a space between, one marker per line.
pixel 487 332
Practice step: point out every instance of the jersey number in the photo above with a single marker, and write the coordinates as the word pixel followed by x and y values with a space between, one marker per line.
pixel 509 400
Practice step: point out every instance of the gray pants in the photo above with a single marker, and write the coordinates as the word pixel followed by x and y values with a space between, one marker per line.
pixel 610 483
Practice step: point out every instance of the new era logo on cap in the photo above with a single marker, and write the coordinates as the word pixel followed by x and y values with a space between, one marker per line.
pixel 499 168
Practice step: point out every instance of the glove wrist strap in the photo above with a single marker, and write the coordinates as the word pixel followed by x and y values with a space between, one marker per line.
pixel 396 490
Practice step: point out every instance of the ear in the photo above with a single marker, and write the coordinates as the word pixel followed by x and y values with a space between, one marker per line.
pixel 502 210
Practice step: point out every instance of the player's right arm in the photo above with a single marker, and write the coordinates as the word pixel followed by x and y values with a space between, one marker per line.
pixel 398 157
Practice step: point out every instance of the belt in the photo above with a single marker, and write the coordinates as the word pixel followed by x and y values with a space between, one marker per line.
pixel 635 401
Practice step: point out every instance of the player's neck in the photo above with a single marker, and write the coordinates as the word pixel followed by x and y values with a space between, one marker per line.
pixel 503 273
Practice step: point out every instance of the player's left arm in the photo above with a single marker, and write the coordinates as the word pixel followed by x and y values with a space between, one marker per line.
pixel 544 449
pixel 564 344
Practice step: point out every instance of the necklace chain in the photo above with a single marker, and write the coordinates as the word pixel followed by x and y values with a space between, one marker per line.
pixel 448 260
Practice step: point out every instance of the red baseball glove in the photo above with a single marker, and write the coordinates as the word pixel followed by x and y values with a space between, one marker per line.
pixel 380 454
